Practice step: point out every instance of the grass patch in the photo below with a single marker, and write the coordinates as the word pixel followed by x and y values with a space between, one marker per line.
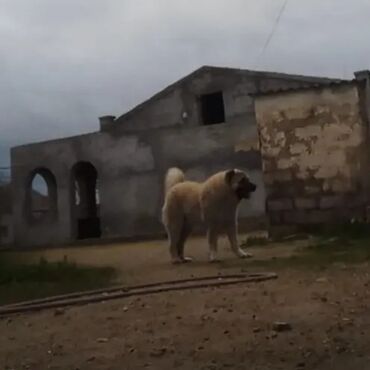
pixel 319 257
pixel 23 281
pixel 347 244
pixel 260 241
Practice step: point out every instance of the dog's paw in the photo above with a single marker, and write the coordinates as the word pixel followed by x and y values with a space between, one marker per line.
pixel 177 261
pixel 187 259
pixel 243 254
pixel 214 260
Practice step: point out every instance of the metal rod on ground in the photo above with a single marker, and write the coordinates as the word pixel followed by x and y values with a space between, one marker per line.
pixel 130 292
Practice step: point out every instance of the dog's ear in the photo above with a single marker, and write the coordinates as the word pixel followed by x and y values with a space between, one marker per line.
pixel 229 176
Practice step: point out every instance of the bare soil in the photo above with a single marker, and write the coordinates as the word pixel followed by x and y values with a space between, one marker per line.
pixel 219 328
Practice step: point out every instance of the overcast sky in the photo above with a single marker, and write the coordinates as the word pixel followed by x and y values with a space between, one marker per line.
pixel 66 62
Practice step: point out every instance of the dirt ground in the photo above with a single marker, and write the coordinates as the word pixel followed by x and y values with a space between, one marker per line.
pixel 219 328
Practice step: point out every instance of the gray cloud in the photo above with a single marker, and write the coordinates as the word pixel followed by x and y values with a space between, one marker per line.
pixel 64 63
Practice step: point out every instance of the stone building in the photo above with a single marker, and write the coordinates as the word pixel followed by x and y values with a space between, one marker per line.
pixel 108 184
pixel 6 227
pixel 315 153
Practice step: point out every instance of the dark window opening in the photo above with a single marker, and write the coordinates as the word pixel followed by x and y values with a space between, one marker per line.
pixel 86 201
pixel 213 110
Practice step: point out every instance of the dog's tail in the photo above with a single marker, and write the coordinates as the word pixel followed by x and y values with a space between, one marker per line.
pixel 173 177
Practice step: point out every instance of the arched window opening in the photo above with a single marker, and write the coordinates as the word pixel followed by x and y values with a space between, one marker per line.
pixel 41 197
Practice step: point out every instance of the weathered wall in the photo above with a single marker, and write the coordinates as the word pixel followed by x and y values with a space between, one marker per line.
pixel 132 155
pixel 130 171
pixel 313 153
pixel 6 230
pixel 167 107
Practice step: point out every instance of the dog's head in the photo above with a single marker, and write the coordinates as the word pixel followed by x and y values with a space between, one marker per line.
pixel 240 183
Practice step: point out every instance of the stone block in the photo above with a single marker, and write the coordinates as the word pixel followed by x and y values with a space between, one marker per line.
pixel 295 217
pixel 313 189
pixel 275 218
pixel 331 201
pixel 273 177
pixel 281 204
pixel 321 216
pixel 305 203
pixel 283 176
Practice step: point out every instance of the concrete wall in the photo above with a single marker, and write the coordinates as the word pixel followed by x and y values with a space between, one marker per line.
pixel 6 230
pixel 130 172
pixel 132 154
pixel 167 108
pixel 313 145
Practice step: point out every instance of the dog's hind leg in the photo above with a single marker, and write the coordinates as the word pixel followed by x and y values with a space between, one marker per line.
pixel 173 229
pixel 185 232
pixel 232 236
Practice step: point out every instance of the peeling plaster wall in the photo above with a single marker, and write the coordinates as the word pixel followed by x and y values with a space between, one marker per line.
pixel 313 154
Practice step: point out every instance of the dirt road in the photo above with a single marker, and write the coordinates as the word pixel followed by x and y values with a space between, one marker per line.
pixel 221 328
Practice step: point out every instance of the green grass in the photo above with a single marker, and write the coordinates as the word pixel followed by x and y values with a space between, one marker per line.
pixel 347 244
pixel 320 256
pixel 23 281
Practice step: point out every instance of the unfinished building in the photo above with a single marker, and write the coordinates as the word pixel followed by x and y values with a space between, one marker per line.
pixel 108 184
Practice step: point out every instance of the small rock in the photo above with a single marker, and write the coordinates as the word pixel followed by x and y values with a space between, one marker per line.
pixel 59 311
pixel 280 326
pixel 341 349
pixel 256 330
pixel 91 359
pixel 158 352
pixel 322 280
pixel 102 340
pixel 273 334
pixel 300 365
pixel 125 309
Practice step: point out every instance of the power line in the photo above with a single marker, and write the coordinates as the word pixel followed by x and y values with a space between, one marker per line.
pixel 271 34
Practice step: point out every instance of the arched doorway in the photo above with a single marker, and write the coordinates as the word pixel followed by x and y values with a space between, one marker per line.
pixel 85 201
pixel 41 195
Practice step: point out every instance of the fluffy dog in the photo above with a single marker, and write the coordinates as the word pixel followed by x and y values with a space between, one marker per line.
pixel 213 202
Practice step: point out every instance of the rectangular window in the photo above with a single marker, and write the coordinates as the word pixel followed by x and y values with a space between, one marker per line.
pixel 213 110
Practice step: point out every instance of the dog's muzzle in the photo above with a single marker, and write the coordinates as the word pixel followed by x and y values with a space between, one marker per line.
pixel 252 187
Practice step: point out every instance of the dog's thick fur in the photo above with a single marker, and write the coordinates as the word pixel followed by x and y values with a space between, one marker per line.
pixel 213 202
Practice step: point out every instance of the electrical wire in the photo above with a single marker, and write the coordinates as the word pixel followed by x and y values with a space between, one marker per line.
pixel 273 30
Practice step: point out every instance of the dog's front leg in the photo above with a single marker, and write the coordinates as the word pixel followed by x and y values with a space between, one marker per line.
pixel 232 236
pixel 212 243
